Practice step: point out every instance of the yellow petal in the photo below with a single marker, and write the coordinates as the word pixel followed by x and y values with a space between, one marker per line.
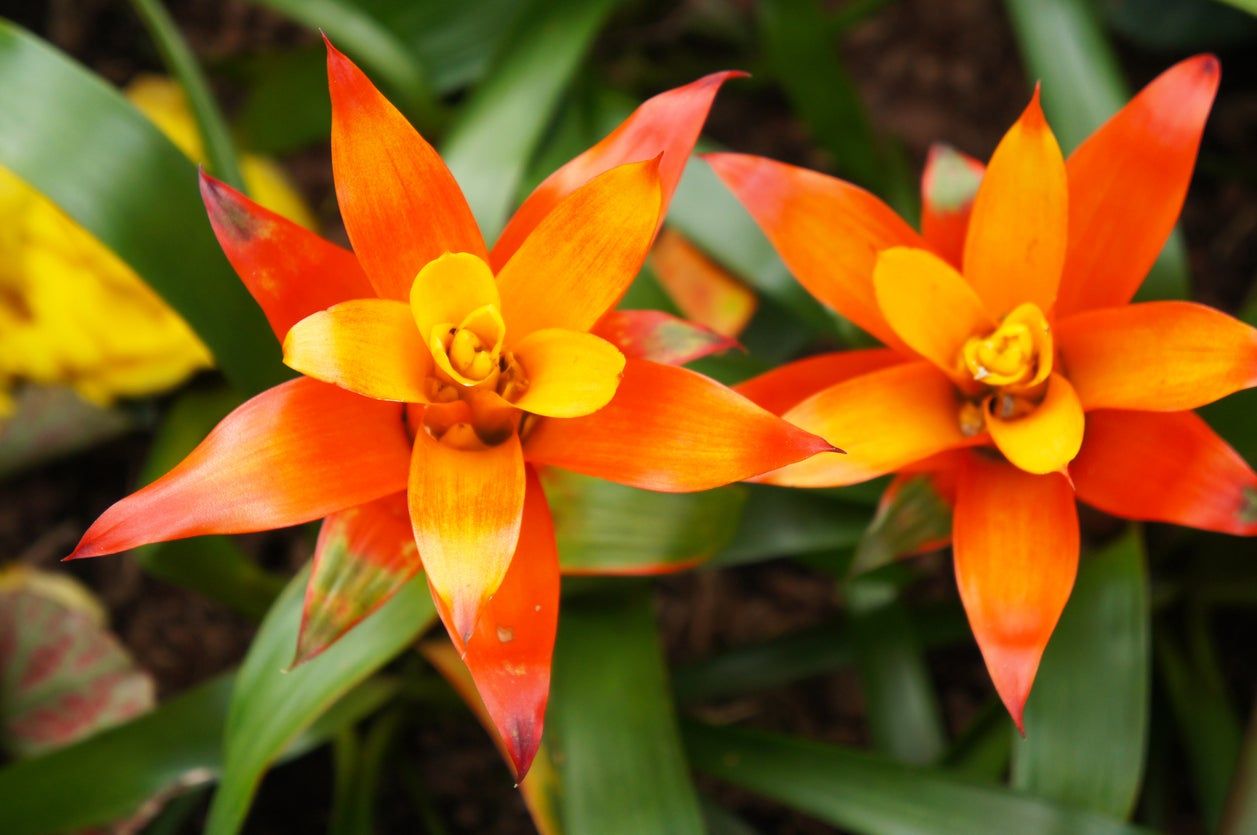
pixel 466 507
pixel 368 346
pixel 569 374
pixel 449 288
pixel 929 305
pixel 1046 439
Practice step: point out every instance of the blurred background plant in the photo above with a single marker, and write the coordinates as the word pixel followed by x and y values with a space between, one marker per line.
pixel 801 678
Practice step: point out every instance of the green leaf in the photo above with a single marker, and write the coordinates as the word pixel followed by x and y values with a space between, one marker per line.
pixel 361 36
pixel 78 141
pixel 720 821
pixel 1249 6
pixel 800 655
pixel 182 64
pixel 802 53
pixel 176 746
pixel 286 107
pixel 1064 46
pixel 112 774
pixel 455 42
pixel 212 565
pixel 271 707
pixel 780 522
pixel 867 793
pixel 983 749
pixel 1087 718
pixel 358 771
pixel 607 528
pixel 1208 727
pixel 499 129
pixel 905 718
pixel 611 728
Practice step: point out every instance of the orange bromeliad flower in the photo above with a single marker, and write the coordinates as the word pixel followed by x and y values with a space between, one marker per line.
pixel 438 374
pixel 1015 366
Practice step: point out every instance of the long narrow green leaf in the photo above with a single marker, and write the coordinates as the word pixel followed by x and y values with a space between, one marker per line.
pixel 215 136
pixel 1249 6
pixel 802 53
pixel 800 655
pixel 779 522
pixel 983 749
pixel 855 790
pixel 905 718
pixel 606 528
pixel 1208 728
pixel 1087 717
pixel 112 774
pixel 270 707
pixel 77 140
pixel 488 149
pixel 610 727
pixel 364 38
pixel 1064 46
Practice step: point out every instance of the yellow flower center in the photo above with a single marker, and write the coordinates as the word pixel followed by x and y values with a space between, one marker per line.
pixel 1017 354
pixel 470 356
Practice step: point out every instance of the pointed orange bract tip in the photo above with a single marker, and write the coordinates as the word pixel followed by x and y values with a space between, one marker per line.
pixel 1032 117
pixel 1013 670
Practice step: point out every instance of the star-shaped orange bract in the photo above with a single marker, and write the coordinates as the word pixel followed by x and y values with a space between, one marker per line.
pixel 439 374
pixel 1015 363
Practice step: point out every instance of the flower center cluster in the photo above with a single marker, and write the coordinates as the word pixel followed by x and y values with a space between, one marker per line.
pixel 1011 365
pixel 469 356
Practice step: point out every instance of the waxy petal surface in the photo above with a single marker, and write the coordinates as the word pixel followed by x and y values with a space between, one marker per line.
pixel 666 124
pixel 1158 356
pixel 363 556
pixel 290 271
pixel 465 507
pixel 1046 439
pixel 1015 537
pixel 1127 183
pixel 569 373
pixel 790 384
pixel 930 305
pixel 292 454
pixel 510 651
pixel 660 337
pixel 400 203
pixel 367 346
pixel 827 231
pixel 448 288
pixel 884 420
pixel 672 430
pixel 1015 247
pixel 948 185
pixel 583 256
pixel 1165 467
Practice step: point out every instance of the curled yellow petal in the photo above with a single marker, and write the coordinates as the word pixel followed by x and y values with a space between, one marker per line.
pixel 568 373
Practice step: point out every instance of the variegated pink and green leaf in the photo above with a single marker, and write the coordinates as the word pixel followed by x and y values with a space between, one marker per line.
pixel 661 337
pixel 63 675
pixel 363 556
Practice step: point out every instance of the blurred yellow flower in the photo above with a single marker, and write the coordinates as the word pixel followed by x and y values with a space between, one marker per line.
pixel 72 313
